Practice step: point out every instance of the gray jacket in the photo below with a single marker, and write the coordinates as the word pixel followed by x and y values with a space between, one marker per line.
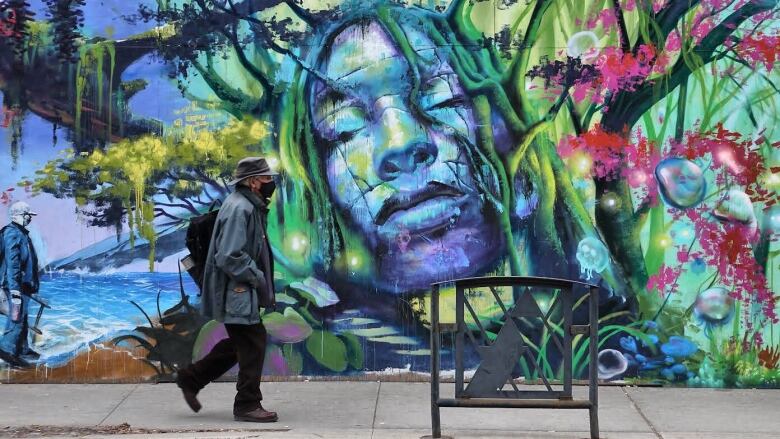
pixel 239 258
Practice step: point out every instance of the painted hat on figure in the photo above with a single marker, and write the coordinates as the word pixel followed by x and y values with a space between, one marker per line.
pixel 251 167
pixel 20 208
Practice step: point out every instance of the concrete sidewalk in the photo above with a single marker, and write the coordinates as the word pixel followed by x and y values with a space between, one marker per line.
pixel 374 410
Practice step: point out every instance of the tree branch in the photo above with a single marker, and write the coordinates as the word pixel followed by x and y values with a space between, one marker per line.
pixel 244 61
pixel 219 86
pixel 576 120
pixel 514 78
pixel 222 190
pixel 629 106
pixel 162 213
pixel 625 44
pixel 186 205
pixel 250 7
pixel 670 14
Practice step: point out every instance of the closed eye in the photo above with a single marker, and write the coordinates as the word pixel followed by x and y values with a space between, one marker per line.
pixel 342 126
pixel 453 102
pixel 345 136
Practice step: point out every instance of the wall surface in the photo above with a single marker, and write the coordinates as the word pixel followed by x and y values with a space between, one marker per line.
pixel 632 144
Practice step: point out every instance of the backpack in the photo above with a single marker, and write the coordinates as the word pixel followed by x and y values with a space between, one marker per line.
pixel 197 242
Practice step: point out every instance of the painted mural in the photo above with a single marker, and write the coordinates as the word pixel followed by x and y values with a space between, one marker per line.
pixel 632 144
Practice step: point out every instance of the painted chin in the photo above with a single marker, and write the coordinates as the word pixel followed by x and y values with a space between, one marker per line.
pixel 459 246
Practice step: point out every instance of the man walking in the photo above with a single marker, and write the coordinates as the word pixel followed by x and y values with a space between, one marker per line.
pixel 18 281
pixel 238 279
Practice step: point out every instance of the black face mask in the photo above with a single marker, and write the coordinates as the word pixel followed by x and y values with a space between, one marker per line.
pixel 267 189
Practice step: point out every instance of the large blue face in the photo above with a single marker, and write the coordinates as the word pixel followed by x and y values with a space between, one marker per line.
pixel 400 174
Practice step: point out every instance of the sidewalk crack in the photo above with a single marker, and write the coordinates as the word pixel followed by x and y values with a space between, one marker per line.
pixel 642 414
pixel 118 404
pixel 376 407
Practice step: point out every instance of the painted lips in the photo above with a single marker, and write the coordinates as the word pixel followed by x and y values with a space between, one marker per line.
pixel 429 216
pixel 422 211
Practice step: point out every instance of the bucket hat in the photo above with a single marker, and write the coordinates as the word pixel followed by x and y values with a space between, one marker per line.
pixel 251 167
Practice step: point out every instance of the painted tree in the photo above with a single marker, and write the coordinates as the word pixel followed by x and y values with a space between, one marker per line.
pixel 66 17
pixel 186 174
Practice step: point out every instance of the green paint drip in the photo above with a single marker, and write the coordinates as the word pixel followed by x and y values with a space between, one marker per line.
pixel 112 59
pixel 98 56
pixel 81 82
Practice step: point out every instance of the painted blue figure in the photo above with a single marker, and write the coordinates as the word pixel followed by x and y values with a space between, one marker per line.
pixel 18 281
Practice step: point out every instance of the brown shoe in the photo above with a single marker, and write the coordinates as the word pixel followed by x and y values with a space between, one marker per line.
pixel 190 396
pixel 191 399
pixel 257 415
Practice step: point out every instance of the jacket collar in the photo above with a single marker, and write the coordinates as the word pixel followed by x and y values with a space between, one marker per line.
pixel 20 227
pixel 252 197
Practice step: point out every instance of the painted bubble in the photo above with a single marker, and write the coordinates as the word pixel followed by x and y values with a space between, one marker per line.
pixel 736 206
pixel 679 347
pixel 611 363
pixel 680 182
pixel 592 256
pixel 583 45
pixel 773 219
pixel 714 306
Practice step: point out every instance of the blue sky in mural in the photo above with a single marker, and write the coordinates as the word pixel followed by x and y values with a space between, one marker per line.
pixel 106 18
pixel 160 99
pixel 36 148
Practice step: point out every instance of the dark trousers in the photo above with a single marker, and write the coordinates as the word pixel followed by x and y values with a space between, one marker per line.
pixel 14 336
pixel 246 345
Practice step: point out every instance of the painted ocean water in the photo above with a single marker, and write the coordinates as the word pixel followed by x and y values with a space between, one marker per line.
pixel 89 308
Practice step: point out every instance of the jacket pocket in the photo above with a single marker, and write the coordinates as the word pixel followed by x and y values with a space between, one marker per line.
pixel 238 304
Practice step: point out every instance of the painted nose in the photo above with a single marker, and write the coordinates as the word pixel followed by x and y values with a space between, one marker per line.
pixel 405 146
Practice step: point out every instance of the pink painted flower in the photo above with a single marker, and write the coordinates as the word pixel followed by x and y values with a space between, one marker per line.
pixel 673 42
pixel 659 4
pixel 625 71
pixel 701 28
pixel 760 49
pixel 665 281
pixel 606 18
pixel 603 147
pixel 727 248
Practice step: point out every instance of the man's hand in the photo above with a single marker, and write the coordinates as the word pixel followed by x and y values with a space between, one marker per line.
pixel 15 306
